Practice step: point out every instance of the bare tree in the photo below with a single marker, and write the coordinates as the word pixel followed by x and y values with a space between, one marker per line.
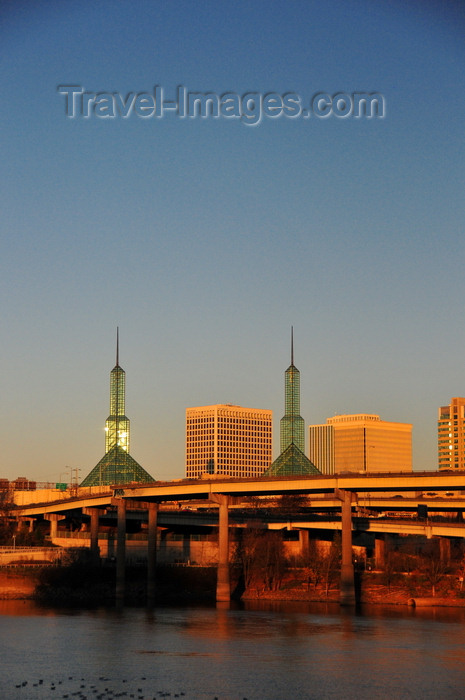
pixel 273 559
pixel 261 553
pixel 332 562
pixel 434 570
pixel 290 503
pixel 322 568
pixel 7 527
pixel 247 553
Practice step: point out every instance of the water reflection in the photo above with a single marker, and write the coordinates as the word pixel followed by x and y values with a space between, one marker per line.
pixel 259 651
pixel 23 608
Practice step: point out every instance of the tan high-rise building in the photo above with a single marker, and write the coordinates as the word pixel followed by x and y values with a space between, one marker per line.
pixel 451 435
pixel 361 443
pixel 321 447
pixel 229 440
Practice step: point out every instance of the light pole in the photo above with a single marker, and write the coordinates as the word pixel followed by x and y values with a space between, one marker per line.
pixel 74 480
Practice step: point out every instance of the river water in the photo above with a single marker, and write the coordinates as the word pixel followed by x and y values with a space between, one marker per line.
pixel 257 651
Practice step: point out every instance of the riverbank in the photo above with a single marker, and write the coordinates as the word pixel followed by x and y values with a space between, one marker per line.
pixel 80 584
pixel 16 585
pixel 371 588
pixel 379 596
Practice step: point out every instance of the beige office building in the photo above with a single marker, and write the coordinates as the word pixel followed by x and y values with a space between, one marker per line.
pixel 451 435
pixel 361 443
pixel 321 447
pixel 229 440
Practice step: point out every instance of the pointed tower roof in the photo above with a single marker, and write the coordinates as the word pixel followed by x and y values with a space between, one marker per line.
pixel 117 467
pixel 292 462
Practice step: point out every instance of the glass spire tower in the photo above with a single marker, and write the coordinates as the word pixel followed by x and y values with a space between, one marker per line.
pixel 117 466
pixel 117 424
pixel 292 424
pixel 292 461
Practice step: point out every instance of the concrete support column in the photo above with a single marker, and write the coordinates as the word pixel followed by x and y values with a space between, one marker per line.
pixel 94 550
pixel 94 514
pixel 163 549
pixel 54 519
pixel 380 552
pixel 28 521
pixel 152 551
pixel 120 547
pixel 304 541
pixel 444 550
pixel 223 585
pixel 347 588
pixel 186 547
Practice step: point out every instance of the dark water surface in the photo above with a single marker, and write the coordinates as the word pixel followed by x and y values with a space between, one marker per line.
pixel 259 652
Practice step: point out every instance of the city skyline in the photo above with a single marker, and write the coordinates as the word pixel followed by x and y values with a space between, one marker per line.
pixel 205 239
pixel 117 414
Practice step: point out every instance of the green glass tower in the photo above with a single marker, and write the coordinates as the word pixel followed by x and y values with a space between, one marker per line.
pixel 117 424
pixel 117 466
pixel 292 424
pixel 292 460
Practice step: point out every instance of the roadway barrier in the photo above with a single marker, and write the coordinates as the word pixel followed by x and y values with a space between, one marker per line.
pixel 29 555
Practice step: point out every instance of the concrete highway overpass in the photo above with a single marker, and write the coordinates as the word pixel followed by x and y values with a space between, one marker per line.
pixel 343 492
pixel 365 487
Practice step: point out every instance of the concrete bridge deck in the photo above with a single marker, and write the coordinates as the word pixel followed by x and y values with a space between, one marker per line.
pixel 191 489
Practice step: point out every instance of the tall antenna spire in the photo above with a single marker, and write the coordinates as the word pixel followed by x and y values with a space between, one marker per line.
pixel 117 346
pixel 292 345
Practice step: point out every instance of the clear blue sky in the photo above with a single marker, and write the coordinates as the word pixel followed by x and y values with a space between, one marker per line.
pixel 204 240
